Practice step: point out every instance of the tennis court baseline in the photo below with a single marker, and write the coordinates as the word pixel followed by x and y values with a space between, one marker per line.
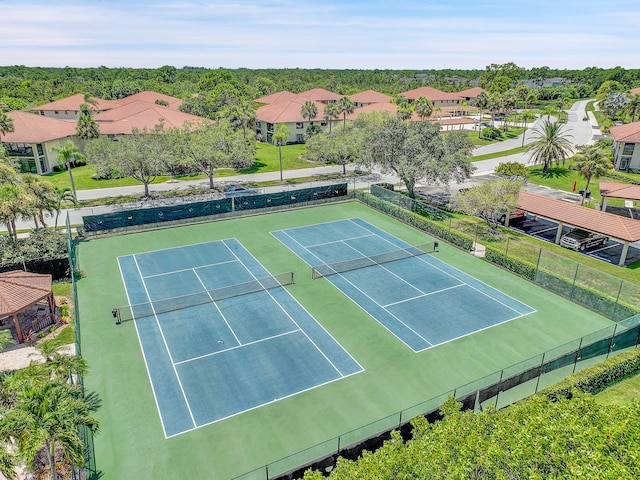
pixel 421 300
pixel 209 360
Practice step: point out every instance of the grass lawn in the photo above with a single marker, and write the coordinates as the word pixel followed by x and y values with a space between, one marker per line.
pixel 479 142
pixel 267 160
pixel 620 393
pixel 504 153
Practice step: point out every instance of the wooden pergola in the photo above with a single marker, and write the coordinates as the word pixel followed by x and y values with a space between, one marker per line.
pixel 20 291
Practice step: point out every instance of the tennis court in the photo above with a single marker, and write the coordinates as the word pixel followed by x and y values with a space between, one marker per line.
pixel 220 335
pixel 417 297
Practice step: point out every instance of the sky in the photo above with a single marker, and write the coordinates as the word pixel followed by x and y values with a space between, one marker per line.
pixel 331 34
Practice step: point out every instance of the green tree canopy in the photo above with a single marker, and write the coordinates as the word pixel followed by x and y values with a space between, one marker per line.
pixel 551 144
pixel 492 200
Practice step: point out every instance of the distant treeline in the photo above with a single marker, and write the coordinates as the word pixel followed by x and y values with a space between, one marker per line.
pixel 22 87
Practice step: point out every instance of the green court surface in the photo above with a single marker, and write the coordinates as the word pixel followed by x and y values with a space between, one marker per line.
pixel 131 443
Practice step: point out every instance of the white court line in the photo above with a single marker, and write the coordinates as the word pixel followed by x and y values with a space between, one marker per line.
pixel 362 307
pixel 236 347
pixel 217 308
pixel 423 295
pixel 173 365
pixel 287 313
pixel 339 241
pixel 190 268
pixel 144 358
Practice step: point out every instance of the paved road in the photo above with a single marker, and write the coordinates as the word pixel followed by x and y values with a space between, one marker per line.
pixel 582 134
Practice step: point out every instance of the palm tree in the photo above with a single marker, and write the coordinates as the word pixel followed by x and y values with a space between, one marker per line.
pixel 423 107
pixel 495 104
pixel 48 415
pixel 243 115
pixel 346 106
pixel 5 339
pixel 61 195
pixel 527 117
pixel 15 201
pixel 6 124
pixel 594 162
pixel 404 112
pixel 43 192
pixel 87 128
pixel 551 144
pixel 331 112
pixel 68 154
pixel 309 110
pixel 280 137
pixel 633 106
pixel 482 102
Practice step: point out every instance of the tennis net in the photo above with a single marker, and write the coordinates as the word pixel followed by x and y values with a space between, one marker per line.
pixel 149 309
pixel 378 259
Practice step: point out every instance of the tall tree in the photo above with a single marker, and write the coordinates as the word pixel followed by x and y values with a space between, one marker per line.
pixel 489 200
pixel 615 103
pixel 527 117
pixel 592 162
pixel 331 113
pixel 346 106
pixel 15 201
pixel 211 146
pixel 340 147
pixel 633 106
pixel 48 415
pixel 6 124
pixel 404 112
pixel 309 110
pixel 60 195
pixel 144 155
pixel 87 128
pixel 494 106
pixel 68 155
pixel 243 115
pixel 280 137
pixel 43 192
pixel 423 107
pixel 551 144
pixel 482 102
pixel 417 151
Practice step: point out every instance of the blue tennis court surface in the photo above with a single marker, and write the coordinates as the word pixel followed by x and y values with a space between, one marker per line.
pixel 210 361
pixel 421 300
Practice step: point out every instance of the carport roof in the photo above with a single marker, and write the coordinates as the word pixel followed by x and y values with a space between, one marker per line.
pixel 613 226
pixel 620 190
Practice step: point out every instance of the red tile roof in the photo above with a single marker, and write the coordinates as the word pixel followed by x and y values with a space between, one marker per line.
pixel 287 111
pixel 151 97
pixel 613 226
pixel 73 103
pixel 141 115
pixel 20 289
pixel 470 92
pixel 320 95
pixel 629 133
pixel 34 128
pixel 276 97
pixel 391 108
pixel 370 96
pixel 432 94
pixel 620 190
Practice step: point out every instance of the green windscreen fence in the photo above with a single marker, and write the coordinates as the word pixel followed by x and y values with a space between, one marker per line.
pixel 209 208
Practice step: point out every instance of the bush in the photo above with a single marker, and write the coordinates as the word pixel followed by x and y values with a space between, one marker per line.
pixel 510 169
pixel 491 133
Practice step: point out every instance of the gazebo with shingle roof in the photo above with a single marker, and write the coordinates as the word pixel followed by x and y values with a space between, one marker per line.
pixel 21 290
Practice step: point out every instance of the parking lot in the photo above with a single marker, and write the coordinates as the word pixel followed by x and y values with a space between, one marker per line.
pixel 546 230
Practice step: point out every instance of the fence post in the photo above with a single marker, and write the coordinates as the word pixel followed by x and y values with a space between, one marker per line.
pixel 535 274
pixel 613 335
pixel 615 306
pixel 573 285
pixel 499 384
pixel 266 469
pixel 577 355
pixel 540 372
pixel 400 420
pixel 506 250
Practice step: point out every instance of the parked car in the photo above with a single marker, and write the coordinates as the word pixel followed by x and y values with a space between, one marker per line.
pixel 579 239
pixel 514 216
pixel 239 190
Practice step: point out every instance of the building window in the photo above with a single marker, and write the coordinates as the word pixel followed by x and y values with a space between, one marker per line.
pixel 55 112
pixel 299 138
pixel 269 127
pixel 258 124
pixel 628 148
pixel 299 125
pixel 323 124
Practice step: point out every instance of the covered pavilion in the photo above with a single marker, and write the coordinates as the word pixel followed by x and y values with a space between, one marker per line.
pixel 27 299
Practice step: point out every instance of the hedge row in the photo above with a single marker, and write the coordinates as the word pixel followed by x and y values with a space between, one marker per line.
pixel 519 267
pixel 588 296
pixel 597 378
pixel 426 225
